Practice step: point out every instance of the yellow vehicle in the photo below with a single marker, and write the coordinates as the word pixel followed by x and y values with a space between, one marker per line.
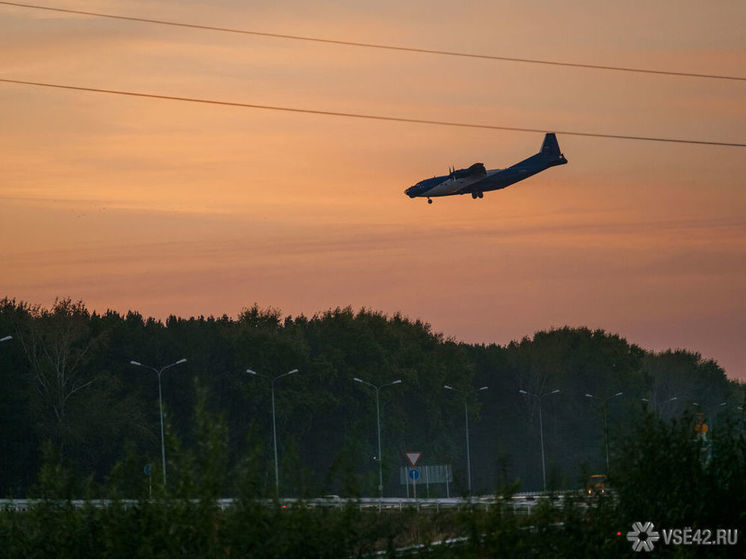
pixel 596 484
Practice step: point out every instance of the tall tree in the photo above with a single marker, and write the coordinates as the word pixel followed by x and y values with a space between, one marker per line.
pixel 58 344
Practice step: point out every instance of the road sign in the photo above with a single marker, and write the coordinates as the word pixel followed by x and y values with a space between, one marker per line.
pixel 439 473
pixel 413 457
pixel 414 474
pixel 146 469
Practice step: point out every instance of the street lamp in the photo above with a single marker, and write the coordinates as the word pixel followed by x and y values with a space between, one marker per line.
pixel 159 372
pixel 274 423
pixel 378 422
pixel 539 397
pixel 6 339
pixel 604 407
pixel 655 406
pixel 466 419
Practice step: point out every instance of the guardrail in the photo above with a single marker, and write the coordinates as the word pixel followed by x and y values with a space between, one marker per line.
pixel 519 502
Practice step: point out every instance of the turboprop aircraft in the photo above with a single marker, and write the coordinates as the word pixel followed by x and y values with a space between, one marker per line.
pixel 476 180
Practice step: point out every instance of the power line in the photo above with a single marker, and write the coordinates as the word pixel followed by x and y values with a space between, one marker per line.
pixel 365 116
pixel 378 46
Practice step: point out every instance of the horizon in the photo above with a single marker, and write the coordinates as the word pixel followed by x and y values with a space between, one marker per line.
pixel 282 316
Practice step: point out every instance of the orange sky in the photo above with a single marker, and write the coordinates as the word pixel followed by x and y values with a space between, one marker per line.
pixel 169 207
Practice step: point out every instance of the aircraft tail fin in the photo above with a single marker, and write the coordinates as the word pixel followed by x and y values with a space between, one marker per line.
pixel 550 145
pixel 550 151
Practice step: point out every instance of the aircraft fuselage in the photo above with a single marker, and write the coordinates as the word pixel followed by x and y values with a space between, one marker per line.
pixel 476 179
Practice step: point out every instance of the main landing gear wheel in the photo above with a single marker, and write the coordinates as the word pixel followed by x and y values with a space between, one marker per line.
pixel 476 195
pixel 480 194
pixel 429 201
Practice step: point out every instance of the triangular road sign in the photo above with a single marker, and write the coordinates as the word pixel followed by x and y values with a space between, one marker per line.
pixel 413 457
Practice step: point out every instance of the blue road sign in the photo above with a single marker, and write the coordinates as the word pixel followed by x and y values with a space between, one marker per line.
pixel 414 474
pixel 146 469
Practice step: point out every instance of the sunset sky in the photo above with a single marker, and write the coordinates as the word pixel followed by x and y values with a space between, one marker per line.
pixel 170 207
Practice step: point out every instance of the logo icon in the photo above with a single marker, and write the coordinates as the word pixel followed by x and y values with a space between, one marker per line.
pixel 643 536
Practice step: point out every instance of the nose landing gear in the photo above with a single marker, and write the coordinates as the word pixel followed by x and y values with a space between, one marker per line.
pixel 429 201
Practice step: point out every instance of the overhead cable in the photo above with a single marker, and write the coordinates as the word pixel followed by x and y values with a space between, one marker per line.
pixel 365 116
pixel 378 46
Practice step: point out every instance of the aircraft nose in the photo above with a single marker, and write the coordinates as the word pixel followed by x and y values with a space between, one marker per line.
pixel 410 192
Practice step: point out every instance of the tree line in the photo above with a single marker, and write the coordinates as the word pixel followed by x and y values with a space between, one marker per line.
pixel 79 418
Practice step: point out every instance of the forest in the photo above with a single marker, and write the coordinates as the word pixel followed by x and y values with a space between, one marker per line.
pixel 80 420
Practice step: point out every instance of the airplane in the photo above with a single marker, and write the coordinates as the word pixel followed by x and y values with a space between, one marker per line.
pixel 476 180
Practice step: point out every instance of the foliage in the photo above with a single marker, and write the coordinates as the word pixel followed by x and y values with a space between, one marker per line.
pixel 104 412
pixel 219 437
pixel 679 478
pixel 666 478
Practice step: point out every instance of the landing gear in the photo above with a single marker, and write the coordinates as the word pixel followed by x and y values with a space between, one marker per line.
pixel 480 194
pixel 476 195
pixel 429 201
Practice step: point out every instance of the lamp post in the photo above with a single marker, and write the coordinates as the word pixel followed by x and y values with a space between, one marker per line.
pixel 274 422
pixel 378 423
pixel 6 339
pixel 539 397
pixel 159 372
pixel 655 406
pixel 605 405
pixel 466 421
